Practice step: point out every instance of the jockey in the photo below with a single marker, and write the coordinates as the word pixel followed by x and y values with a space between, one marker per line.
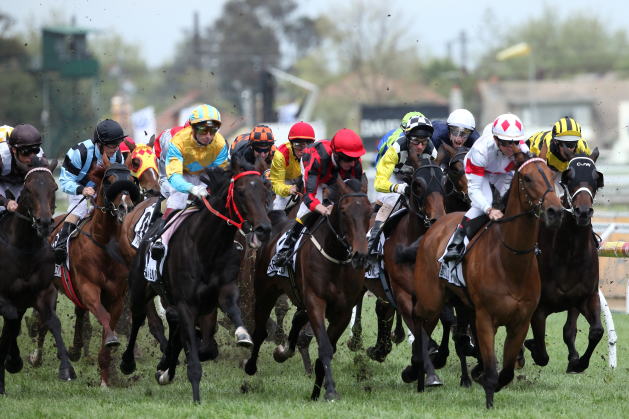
pixel 458 131
pixel 415 138
pixel 191 150
pixel 559 146
pixel 490 161
pixel 393 135
pixel 258 144
pixel 73 178
pixel 286 168
pixel 162 142
pixel 18 146
pixel 323 163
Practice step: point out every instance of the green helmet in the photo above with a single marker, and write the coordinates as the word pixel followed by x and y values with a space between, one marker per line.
pixel 407 117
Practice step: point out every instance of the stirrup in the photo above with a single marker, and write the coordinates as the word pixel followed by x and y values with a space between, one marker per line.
pixel 157 250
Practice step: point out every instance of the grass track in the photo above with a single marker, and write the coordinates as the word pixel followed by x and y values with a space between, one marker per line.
pixel 282 390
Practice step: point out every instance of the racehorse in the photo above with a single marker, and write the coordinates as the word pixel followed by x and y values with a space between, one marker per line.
pixel 97 271
pixel 327 283
pixel 141 161
pixel 568 267
pixel 425 206
pixel 196 275
pixel 28 267
pixel 456 198
pixel 500 270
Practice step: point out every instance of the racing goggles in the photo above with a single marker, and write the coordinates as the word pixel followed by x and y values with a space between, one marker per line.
pixel 262 147
pixel 299 145
pixel 417 140
pixel 568 144
pixel 28 150
pixel 505 143
pixel 204 129
pixel 346 158
pixel 460 132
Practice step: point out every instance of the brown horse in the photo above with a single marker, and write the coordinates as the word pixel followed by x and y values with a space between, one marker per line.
pixel 143 165
pixel 456 198
pixel 97 270
pixel 28 268
pixel 569 268
pixel 500 270
pixel 328 280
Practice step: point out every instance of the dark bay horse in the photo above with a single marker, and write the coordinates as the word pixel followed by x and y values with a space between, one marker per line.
pixel 568 267
pixel 196 278
pixel 425 206
pixel 328 282
pixel 500 269
pixel 28 268
pixel 456 198
pixel 97 270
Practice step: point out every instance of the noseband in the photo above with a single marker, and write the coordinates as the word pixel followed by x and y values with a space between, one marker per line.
pixel 535 208
pixel 570 197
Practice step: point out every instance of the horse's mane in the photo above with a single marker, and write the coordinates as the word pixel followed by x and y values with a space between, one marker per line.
pixel 217 181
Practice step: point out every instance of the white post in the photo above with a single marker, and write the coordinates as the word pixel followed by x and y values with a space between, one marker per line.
pixel 611 331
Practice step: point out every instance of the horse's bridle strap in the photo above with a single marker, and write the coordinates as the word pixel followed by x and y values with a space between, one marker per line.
pixel 325 255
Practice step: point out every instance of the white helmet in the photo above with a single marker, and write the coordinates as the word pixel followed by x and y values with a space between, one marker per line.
pixel 508 127
pixel 462 118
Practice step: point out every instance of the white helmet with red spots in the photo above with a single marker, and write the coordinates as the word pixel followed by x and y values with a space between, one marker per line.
pixel 508 127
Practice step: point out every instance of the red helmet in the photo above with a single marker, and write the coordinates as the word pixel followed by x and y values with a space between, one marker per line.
pixel 301 131
pixel 348 142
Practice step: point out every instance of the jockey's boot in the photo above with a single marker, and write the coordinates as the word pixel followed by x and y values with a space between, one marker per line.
pixel 457 245
pixel 373 234
pixel 61 243
pixel 283 256
pixel 156 245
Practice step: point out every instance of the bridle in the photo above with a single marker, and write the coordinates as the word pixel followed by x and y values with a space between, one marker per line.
pixel 458 157
pixel 29 217
pixel 570 197
pixel 419 199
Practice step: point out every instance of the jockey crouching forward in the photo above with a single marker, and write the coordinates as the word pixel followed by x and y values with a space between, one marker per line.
pixel 286 168
pixel 74 181
pixel 415 138
pixel 322 164
pixel 257 144
pixel 490 161
pixel 458 131
pixel 559 146
pixel 18 147
pixel 161 145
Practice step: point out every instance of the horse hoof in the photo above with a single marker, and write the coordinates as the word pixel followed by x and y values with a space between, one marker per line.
pixel 127 367
pixel 477 374
pixel 465 382
pixel 409 375
pixel 433 380
pixel 112 341
pixel 281 354
pixel 67 374
pixel 439 359
pixel 520 361
pixel 242 338
pixel 74 354
pixel 163 378
pixel 14 365
pixel 575 367
pixel 355 344
pixel 35 359
pixel 331 396
pixel 374 353
pixel 250 367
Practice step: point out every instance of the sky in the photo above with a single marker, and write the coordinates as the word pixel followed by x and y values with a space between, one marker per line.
pixel 158 26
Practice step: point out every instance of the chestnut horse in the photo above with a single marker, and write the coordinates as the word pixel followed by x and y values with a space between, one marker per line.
pixel 196 275
pixel 328 279
pixel 500 269
pixel 97 270
pixel 28 268
pixel 568 267
pixel 141 161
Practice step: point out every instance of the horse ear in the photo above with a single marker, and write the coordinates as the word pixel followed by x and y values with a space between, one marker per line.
pixel 520 157
pixel 567 175
pixel 598 177
pixel 52 164
pixel 364 187
pixel 151 142
pixel 9 195
pixel 129 144
pixel 595 154
pixel 543 150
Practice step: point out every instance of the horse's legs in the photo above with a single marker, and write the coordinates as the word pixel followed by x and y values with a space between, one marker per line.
pixel 386 315
pixel 228 301
pixel 10 331
pixel 461 341
pixel 591 309
pixel 281 354
pixel 266 296
pixel 45 305
pixel 156 327
pixel 570 334
pixel 355 342
pixel 187 316
pixel 91 295
pixel 537 345
pixel 167 366
pixel 137 304
pixel 208 324
pixel 512 346
pixel 486 333
pixel 104 355
pixel 281 309
pixel 303 344
pixel 74 351
pixel 448 320
pixel 36 357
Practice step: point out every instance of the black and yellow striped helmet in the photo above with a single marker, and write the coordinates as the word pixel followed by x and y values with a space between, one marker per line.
pixel 567 129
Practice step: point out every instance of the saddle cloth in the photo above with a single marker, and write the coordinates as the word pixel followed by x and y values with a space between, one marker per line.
pixel 374 269
pixel 273 269
pixel 143 224
pixel 153 270
pixel 452 271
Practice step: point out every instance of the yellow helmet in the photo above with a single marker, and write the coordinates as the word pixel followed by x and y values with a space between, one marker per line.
pixel 567 129
pixel 205 113
pixel 5 132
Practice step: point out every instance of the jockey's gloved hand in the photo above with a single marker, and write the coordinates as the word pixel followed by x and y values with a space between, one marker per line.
pixel 200 191
pixel 400 188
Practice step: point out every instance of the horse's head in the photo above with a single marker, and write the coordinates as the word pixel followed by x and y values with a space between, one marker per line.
pixel 250 199
pixel 143 165
pixel 350 217
pixel 581 180
pixel 455 172
pixel 536 189
pixel 37 200
pixel 426 191
pixel 118 191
